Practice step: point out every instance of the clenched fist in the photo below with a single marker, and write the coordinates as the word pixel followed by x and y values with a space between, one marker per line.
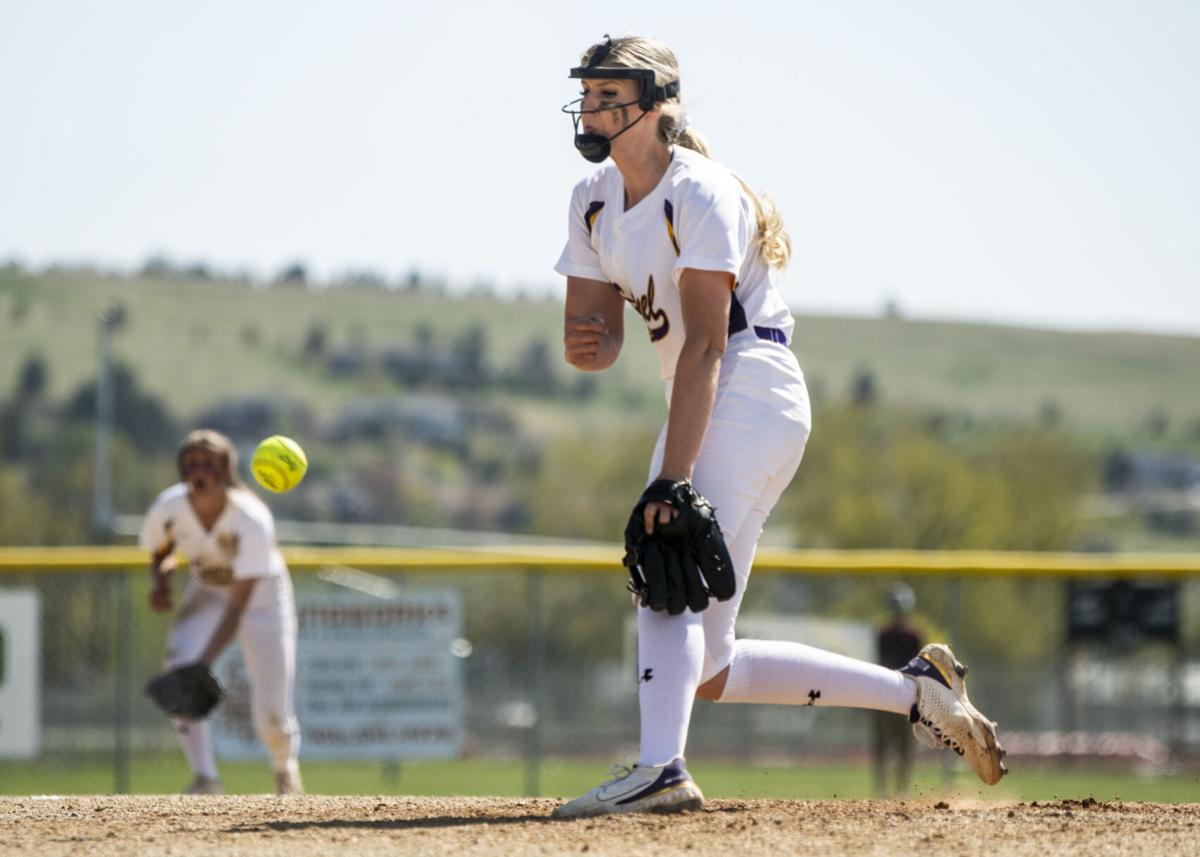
pixel 582 340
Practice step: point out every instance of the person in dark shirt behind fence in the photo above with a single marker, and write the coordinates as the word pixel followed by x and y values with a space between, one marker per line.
pixel 897 642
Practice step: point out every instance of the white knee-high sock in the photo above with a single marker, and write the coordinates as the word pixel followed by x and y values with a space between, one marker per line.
pixel 282 740
pixel 670 656
pixel 771 671
pixel 195 736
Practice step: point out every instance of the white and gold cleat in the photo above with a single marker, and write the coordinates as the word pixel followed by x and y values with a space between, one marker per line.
pixel 945 717
pixel 642 788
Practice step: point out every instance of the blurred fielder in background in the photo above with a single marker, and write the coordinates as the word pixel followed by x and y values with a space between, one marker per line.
pixel 696 253
pixel 897 642
pixel 239 586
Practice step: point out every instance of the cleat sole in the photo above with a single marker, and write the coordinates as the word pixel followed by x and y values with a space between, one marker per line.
pixel 694 805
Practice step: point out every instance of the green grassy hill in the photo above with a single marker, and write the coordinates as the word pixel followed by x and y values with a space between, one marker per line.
pixel 193 342
pixel 1099 382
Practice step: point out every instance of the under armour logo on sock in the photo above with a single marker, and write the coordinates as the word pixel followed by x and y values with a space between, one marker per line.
pixel 813 696
pixel 646 676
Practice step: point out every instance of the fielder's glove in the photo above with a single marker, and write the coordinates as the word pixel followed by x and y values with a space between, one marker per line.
pixel 682 562
pixel 189 691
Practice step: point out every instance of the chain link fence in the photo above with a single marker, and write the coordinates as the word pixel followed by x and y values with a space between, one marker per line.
pixel 547 668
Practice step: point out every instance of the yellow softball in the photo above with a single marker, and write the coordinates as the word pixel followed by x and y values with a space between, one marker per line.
pixel 279 464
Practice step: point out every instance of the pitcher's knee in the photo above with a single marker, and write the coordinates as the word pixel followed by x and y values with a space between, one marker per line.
pixel 714 687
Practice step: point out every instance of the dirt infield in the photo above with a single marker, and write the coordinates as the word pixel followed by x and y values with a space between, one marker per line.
pixel 365 826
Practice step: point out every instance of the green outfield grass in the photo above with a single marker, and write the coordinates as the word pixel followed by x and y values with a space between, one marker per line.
pixel 166 773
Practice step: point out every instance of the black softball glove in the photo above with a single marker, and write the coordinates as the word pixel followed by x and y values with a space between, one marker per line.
pixel 682 562
pixel 189 691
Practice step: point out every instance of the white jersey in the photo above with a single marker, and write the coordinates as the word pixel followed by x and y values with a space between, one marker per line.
pixel 240 546
pixel 698 216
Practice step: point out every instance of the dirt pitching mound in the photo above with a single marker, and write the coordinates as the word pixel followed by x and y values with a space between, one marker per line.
pixel 260 826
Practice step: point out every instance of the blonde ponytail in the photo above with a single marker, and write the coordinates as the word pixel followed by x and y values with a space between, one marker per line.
pixel 774 243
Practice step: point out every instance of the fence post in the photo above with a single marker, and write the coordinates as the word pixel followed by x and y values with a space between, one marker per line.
pixel 123 702
pixel 1068 655
pixel 110 318
pixel 535 610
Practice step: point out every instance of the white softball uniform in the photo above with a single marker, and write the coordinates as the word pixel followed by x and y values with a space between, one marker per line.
pixel 699 216
pixel 239 546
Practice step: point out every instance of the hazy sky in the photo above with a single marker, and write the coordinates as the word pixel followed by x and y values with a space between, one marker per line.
pixel 1031 161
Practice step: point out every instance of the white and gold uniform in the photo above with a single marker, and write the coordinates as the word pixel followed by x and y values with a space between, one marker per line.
pixel 699 216
pixel 239 546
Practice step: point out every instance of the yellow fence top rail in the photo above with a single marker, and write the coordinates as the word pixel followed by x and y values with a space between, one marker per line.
pixel 608 558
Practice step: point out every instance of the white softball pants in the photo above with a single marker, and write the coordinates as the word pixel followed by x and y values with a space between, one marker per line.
pixel 267 637
pixel 755 439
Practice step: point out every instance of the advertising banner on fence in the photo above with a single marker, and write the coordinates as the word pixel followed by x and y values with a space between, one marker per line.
pixel 375 678
pixel 20 645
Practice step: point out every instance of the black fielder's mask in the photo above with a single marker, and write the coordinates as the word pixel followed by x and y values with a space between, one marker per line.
pixel 596 147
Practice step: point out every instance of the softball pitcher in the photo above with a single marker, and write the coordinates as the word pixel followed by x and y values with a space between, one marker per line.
pixel 698 255
pixel 239 586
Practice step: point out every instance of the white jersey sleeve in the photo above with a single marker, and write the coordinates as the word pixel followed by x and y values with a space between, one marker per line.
pixel 155 533
pixel 579 258
pixel 257 554
pixel 714 225
pixel 254 554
